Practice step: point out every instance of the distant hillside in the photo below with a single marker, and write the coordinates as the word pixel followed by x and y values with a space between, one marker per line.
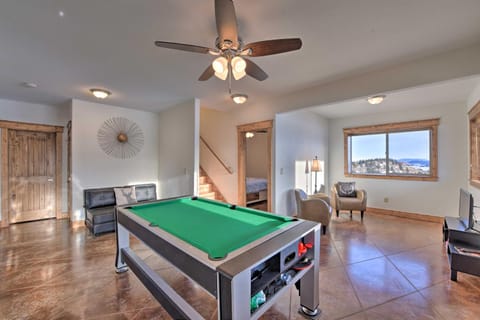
pixel 402 166
pixel 416 162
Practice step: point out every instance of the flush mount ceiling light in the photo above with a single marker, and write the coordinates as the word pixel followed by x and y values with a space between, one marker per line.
pixel 29 84
pixel 376 99
pixel 100 93
pixel 239 98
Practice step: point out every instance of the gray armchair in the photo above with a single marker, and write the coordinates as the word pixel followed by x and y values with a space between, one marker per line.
pixel 356 202
pixel 313 208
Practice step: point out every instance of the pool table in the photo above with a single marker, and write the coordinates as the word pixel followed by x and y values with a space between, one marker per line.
pixel 233 252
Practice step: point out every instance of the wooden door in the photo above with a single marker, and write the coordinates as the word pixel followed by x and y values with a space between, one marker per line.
pixel 31 180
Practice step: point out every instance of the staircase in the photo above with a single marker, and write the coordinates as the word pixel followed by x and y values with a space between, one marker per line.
pixel 207 189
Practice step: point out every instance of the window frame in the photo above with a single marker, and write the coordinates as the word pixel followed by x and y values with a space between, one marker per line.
pixel 418 125
pixel 474 142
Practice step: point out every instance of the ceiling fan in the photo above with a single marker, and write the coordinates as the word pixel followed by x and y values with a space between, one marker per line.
pixel 230 51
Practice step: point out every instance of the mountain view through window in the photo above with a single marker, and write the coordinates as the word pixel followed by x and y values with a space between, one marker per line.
pixel 397 153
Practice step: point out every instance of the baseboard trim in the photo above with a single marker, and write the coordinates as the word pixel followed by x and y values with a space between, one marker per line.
pixel 4 223
pixel 408 215
pixel 77 224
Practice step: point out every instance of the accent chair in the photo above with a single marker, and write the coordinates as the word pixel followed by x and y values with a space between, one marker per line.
pixel 313 208
pixel 346 197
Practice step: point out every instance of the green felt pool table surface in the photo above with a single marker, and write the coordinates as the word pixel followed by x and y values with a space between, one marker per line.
pixel 211 226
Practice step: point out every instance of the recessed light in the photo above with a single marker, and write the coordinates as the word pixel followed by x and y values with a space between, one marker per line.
pixel 376 99
pixel 100 93
pixel 61 13
pixel 239 98
pixel 29 84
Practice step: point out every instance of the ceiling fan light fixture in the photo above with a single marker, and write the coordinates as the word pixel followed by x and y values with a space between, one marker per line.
pixel 223 75
pixel 238 67
pixel 238 64
pixel 239 98
pixel 220 64
pixel 100 93
pixel 229 46
pixel 376 99
pixel 238 75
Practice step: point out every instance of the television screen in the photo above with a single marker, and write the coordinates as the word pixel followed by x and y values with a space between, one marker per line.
pixel 465 209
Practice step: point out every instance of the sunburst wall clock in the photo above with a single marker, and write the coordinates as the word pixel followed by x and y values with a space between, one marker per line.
pixel 120 138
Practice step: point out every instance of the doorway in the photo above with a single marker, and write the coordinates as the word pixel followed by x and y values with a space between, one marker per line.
pixel 31 175
pixel 31 172
pixel 255 165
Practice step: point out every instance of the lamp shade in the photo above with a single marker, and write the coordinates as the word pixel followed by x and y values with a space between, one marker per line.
pixel 238 67
pixel 220 65
pixel 316 165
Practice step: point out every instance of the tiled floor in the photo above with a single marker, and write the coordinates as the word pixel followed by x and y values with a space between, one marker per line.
pixel 383 268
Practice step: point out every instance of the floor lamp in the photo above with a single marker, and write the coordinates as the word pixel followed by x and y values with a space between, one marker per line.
pixel 307 171
pixel 316 168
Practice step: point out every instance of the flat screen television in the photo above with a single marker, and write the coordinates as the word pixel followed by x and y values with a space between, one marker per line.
pixel 465 209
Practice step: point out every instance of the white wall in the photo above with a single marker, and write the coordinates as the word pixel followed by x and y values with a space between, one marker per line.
pixel 42 114
pixel 297 135
pixel 178 158
pixel 438 198
pixel 92 168
pixel 219 131
pixel 256 156
pixel 472 101
pixel 301 136
pixel 34 113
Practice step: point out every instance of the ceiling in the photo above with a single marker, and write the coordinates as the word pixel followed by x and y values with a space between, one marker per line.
pixel 436 94
pixel 110 44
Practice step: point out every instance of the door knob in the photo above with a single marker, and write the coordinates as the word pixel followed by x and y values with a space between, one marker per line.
pixel 14 196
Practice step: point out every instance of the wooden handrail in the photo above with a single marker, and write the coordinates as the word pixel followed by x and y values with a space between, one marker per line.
pixel 229 170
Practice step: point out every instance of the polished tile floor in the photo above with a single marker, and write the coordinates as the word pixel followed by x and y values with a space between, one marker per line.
pixel 381 268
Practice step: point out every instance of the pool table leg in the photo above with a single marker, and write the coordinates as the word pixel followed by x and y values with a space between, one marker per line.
pixel 234 296
pixel 309 296
pixel 123 241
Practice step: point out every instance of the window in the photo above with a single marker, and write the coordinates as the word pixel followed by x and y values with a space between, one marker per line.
pixel 474 116
pixel 405 150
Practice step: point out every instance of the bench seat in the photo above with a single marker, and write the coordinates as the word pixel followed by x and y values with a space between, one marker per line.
pixel 99 204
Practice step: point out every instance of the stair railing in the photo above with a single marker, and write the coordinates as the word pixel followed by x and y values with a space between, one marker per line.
pixel 229 169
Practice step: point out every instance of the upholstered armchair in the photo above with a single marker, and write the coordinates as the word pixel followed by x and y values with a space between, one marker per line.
pixel 313 208
pixel 346 197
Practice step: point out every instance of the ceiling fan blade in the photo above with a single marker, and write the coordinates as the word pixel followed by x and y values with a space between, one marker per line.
pixel 182 46
pixel 255 71
pixel 207 74
pixel 226 22
pixel 268 47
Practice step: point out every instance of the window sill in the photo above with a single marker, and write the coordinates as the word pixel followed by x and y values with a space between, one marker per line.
pixel 392 177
